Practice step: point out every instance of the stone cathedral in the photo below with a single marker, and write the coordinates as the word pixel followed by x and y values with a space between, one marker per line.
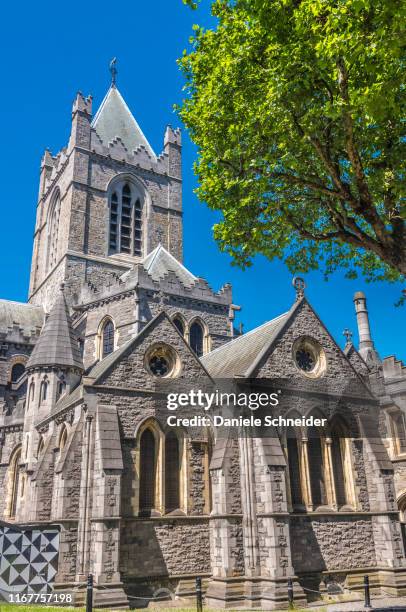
pixel 85 452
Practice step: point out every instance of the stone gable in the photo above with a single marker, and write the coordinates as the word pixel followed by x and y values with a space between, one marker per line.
pixel 130 369
pixel 279 362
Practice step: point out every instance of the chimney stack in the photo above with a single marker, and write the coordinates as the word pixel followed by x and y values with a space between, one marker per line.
pixel 366 345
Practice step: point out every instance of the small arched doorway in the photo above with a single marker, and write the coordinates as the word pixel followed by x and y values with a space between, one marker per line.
pixel 402 517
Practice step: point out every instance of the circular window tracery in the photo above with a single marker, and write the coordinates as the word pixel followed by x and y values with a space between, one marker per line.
pixel 162 361
pixel 159 365
pixel 309 357
pixel 305 360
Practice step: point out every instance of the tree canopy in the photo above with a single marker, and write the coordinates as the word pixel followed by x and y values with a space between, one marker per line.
pixel 297 108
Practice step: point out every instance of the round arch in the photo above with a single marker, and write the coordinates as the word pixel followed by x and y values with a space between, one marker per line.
pixel 16 360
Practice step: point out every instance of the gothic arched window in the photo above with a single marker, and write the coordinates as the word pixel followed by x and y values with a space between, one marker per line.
pixel 81 345
pixel 337 454
pixel 60 388
pixel 399 431
pixel 107 338
pixel 41 446
pixel 172 472
pixel 53 232
pixel 31 393
pixel 15 481
pixel 17 371
pixel 43 391
pixel 147 472
pixel 178 323
pixel 63 437
pixel 294 468
pixel 125 234
pixel 196 337
pixel 316 468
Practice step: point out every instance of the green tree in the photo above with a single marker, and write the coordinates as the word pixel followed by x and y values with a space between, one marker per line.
pixel 297 108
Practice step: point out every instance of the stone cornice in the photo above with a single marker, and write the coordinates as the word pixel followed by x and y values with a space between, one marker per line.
pixel 12 427
pixel 66 414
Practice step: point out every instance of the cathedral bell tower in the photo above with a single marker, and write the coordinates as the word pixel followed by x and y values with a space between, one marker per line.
pixel 105 201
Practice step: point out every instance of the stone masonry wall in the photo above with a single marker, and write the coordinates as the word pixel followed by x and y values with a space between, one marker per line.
pixel 400 477
pixel 131 367
pixel 160 547
pixel 83 180
pixel 67 552
pixel 11 441
pixel 280 364
pixel 72 475
pixel 123 313
pixel 360 480
pixel 331 543
pixel 45 487
pixel 197 479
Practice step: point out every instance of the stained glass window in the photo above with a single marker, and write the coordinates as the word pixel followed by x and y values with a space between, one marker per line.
pixel 107 339
pixel 196 338
pixel 147 472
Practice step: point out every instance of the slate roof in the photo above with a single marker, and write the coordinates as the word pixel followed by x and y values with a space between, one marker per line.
pixel 26 316
pixel 57 344
pixel 102 366
pixel 235 358
pixel 115 120
pixel 68 399
pixel 160 262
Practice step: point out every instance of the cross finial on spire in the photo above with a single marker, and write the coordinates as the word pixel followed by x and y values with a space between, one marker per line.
pixel 299 285
pixel 113 71
pixel 347 333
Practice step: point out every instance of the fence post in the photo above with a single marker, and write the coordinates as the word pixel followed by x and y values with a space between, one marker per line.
pixel 367 604
pixel 89 593
pixel 199 600
pixel 290 593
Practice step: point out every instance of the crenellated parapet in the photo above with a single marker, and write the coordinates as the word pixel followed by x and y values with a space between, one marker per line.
pixel 141 156
pixel 52 167
pixel 393 368
pixel 82 104
pixel 168 286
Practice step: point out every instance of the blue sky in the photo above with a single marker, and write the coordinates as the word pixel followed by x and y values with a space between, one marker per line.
pixel 50 50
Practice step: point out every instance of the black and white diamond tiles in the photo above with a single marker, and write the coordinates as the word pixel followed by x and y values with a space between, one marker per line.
pixel 28 559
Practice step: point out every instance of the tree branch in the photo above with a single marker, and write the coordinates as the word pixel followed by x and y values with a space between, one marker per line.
pixel 365 205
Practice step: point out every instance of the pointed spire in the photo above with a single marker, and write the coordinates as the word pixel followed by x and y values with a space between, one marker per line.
pixel 114 120
pixel 57 344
